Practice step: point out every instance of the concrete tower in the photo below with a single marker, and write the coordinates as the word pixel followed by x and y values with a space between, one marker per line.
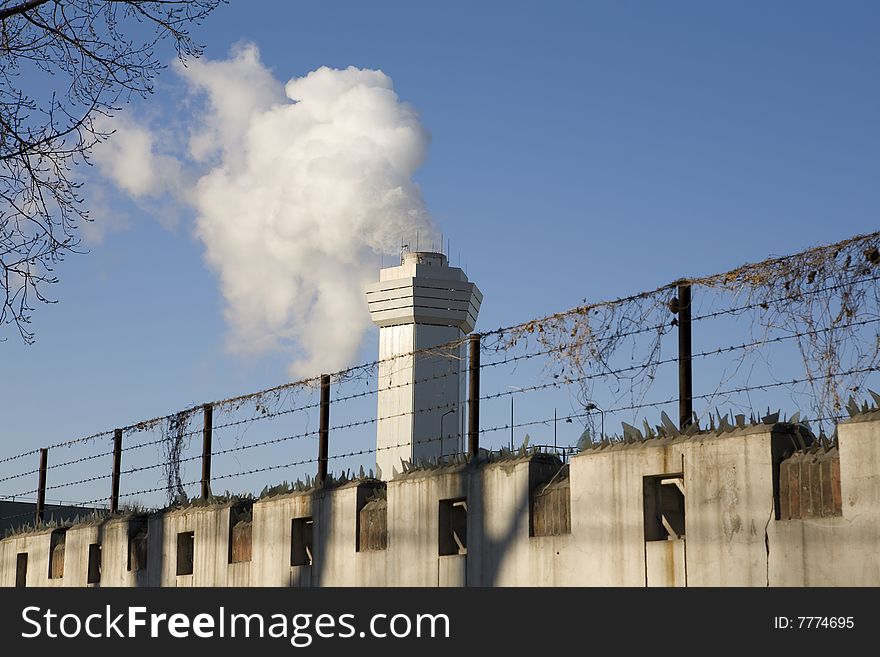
pixel 421 304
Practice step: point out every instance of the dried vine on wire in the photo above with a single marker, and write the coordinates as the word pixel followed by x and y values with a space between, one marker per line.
pixel 822 298
pixel 174 435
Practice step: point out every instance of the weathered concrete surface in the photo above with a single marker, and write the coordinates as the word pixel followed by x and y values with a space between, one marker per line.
pixel 731 535
pixel 729 502
pixel 665 563
pixel 837 551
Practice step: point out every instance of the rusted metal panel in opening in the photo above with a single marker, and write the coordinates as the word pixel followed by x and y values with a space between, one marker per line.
pixel 58 561
pixel 836 495
pixel 826 495
pixel 806 488
pixel 810 485
pixel 374 525
pixel 794 487
pixel 551 509
pixel 56 555
pixel 784 490
pixel 242 541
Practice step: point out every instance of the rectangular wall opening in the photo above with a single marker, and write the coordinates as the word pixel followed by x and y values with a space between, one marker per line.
pixel 186 542
pixel 373 525
pixel 809 485
pixel 782 446
pixel 551 506
pixel 452 537
pixel 56 553
pixel 94 575
pixel 664 507
pixel 137 546
pixel 301 535
pixel 21 562
pixel 240 534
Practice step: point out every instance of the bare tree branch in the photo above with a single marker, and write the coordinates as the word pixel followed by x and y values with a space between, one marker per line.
pixel 94 55
pixel 24 7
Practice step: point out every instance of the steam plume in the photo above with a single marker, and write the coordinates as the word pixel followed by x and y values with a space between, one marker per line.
pixel 300 188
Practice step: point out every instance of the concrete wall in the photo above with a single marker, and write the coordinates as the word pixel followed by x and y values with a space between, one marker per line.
pixel 731 536
pixel 840 551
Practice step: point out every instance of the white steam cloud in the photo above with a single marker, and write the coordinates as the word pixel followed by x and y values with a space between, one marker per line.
pixel 130 160
pixel 301 186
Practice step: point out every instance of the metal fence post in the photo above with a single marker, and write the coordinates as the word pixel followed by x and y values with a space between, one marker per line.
pixel 41 488
pixel 324 429
pixel 117 462
pixel 685 372
pixel 206 450
pixel 474 395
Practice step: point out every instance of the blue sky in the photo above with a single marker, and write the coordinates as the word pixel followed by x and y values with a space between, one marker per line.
pixel 578 150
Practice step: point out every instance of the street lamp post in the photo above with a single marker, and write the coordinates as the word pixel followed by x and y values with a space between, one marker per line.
pixel 515 389
pixel 442 417
pixel 511 423
pixel 592 407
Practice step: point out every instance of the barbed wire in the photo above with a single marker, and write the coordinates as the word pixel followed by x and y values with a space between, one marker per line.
pixel 806 275
pixel 363 422
pixel 675 359
pixel 19 456
pixel 761 304
pixel 639 406
pixel 91 504
pixel 241 473
pixel 79 460
pixel 727 278
pixel 28 492
pixel 84 439
pixel 19 475
pixel 380 448
pixel 405 384
pixel 500 346
pixel 671 400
